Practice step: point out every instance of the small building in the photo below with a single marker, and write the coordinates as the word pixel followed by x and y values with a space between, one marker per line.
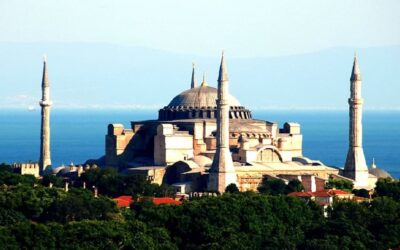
pixel 126 201
pixel 123 201
pixel 324 197
pixel 27 168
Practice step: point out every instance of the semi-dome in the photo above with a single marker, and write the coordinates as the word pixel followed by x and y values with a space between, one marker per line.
pixel 203 96
pixel 379 173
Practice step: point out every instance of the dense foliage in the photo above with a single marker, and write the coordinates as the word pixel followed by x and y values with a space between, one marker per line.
pixel 7 177
pixel 278 186
pixel 361 193
pixel 33 216
pixel 232 188
pixel 388 187
pixel 110 183
pixel 339 184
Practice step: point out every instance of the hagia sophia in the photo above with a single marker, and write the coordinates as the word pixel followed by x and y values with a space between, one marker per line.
pixel 204 140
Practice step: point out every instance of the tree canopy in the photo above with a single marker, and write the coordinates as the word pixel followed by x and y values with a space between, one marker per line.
pixel 34 216
pixel 279 187
pixel 339 184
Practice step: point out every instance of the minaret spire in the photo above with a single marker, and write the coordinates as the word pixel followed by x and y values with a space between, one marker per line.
pixel 222 171
pixel 355 72
pixel 373 163
pixel 204 82
pixel 193 82
pixel 356 167
pixel 223 71
pixel 45 103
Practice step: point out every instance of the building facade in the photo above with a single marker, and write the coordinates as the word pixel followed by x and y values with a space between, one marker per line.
pixel 204 139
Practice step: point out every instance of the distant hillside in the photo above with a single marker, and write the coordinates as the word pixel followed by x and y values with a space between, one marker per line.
pixel 109 75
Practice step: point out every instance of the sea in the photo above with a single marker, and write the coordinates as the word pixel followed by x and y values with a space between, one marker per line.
pixel 79 135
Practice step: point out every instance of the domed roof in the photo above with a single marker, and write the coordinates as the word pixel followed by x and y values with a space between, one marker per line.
pixel 202 161
pixel 57 169
pixel 203 96
pixel 380 173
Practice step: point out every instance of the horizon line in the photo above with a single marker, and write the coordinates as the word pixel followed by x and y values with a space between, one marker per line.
pixel 154 108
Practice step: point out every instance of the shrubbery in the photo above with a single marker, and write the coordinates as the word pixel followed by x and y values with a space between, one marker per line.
pixel 33 216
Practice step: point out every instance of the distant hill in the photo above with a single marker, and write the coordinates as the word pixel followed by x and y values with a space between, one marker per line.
pixel 105 75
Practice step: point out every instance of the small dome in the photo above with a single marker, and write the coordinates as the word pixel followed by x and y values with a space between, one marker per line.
pixel 380 173
pixel 202 161
pixel 57 169
pixel 203 96
pixel 68 169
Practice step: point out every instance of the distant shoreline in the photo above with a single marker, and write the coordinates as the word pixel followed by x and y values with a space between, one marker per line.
pixel 254 109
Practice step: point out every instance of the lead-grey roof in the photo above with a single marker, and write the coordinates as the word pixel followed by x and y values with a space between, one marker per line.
pixel 203 96
pixel 380 173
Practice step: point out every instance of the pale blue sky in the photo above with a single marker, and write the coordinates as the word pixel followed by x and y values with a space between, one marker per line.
pixel 244 28
pixel 280 54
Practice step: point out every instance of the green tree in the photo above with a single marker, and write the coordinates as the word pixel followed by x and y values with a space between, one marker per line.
pixel 272 187
pixel 233 221
pixel 232 188
pixel 347 223
pixel 80 204
pixel 361 192
pixel 50 178
pixel 339 184
pixel 34 236
pixel 9 217
pixel 7 239
pixel 110 183
pixel 13 179
pixel 5 168
pixel 28 200
pixel 294 185
pixel 388 187
pixel 385 222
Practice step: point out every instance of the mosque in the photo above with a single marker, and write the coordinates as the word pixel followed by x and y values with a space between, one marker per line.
pixel 204 140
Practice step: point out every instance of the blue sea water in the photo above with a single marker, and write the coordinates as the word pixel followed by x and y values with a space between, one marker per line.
pixel 78 135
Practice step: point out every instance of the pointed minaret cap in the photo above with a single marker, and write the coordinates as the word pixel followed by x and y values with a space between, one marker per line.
pixel 355 73
pixel 45 78
pixel 223 72
pixel 204 82
pixel 193 83
pixel 373 163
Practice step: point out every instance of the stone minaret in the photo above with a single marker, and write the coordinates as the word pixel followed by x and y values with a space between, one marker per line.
pixel 204 82
pixel 45 103
pixel 193 83
pixel 356 167
pixel 222 172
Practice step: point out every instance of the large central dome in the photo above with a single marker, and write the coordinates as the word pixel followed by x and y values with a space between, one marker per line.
pixel 200 103
pixel 203 96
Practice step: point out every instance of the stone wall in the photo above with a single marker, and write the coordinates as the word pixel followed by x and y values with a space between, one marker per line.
pixel 27 168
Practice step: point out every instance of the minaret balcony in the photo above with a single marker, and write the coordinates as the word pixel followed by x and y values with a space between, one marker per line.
pixel 45 103
pixel 357 101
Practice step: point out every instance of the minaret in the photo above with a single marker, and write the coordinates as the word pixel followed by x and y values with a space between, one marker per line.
pixel 45 103
pixel 222 171
pixel 193 83
pixel 373 165
pixel 204 82
pixel 356 167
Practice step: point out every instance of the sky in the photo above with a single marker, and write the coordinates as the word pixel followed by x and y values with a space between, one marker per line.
pixel 245 28
pixel 120 43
